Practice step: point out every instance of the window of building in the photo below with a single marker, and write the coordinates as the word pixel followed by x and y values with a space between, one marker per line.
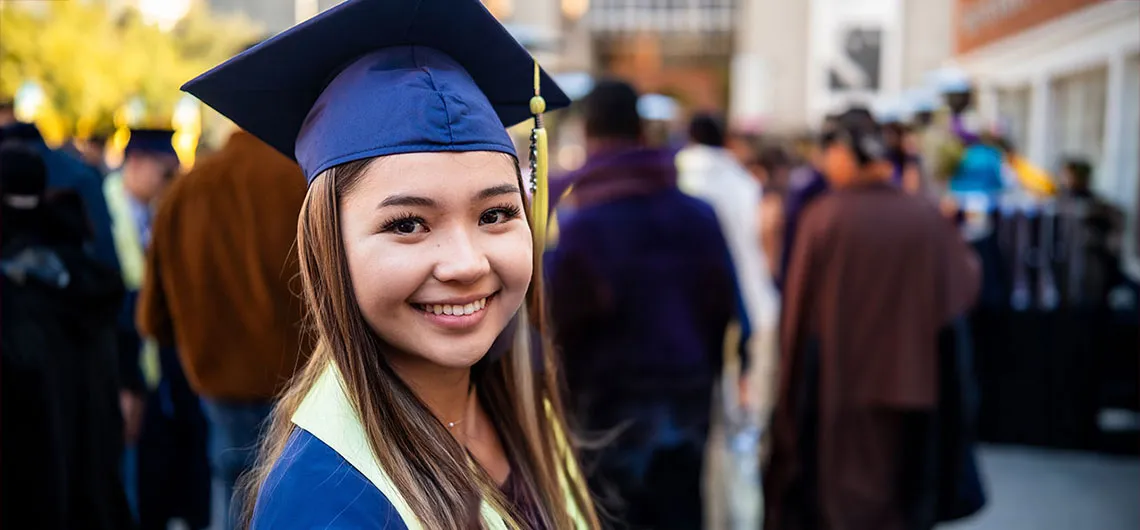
pixel 1013 116
pixel 1130 165
pixel 663 15
pixel 1077 116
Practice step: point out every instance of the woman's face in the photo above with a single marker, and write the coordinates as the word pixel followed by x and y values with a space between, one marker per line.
pixel 439 252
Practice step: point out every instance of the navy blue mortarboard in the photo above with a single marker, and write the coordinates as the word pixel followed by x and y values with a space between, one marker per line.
pixel 154 141
pixel 20 131
pixel 379 77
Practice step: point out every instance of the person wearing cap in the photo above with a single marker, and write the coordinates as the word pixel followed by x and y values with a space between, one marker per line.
pixel 63 434
pixel 132 193
pixel 163 416
pixel 875 276
pixel 68 172
pixel 217 285
pixel 958 93
pixel 422 405
pixel 960 158
pixel 643 294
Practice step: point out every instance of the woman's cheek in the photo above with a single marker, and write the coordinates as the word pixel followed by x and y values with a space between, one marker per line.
pixel 513 257
pixel 376 270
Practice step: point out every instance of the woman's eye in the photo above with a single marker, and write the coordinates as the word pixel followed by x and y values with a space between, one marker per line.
pixel 492 217
pixel 405 226
pixel 498 215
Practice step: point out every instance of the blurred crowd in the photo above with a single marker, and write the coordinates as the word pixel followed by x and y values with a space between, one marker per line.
pixel 812 297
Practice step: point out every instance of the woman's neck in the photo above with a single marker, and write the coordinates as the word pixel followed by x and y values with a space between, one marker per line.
pixel 449 396
pixel 446 391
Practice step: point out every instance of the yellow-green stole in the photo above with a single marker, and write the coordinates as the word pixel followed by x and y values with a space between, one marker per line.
pixel 132 263
pixel 327 413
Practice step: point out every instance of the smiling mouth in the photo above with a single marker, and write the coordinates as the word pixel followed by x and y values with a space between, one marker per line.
pixel 458 310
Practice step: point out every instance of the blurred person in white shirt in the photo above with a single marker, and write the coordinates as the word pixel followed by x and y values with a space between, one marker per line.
pixel 709 171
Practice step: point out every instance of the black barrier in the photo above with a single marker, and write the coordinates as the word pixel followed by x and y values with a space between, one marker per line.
pixel 1057 333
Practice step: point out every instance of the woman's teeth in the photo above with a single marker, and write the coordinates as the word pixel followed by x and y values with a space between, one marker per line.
pixel 457 310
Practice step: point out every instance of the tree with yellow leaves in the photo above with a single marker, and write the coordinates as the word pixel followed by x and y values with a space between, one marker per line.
pixel 90 61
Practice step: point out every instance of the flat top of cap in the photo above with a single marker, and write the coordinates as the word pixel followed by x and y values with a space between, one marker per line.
pixel 152 133
pixel 270 89
pixel 152 141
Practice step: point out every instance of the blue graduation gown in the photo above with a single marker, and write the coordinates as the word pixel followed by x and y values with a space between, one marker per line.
pixel 312 487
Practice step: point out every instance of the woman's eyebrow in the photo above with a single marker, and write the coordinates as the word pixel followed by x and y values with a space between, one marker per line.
pixel 495 191
pixel 416 200
pixel 405 200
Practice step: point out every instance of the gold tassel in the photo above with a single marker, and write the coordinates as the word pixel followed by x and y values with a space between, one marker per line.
pixel 539 167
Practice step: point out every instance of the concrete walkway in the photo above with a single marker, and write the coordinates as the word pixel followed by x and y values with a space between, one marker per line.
pixel 1037 489
pixel 1027 488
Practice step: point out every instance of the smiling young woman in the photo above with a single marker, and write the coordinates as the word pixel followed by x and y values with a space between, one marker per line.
pixel 423 404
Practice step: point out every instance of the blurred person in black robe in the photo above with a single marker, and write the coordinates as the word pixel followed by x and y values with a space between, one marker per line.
pixel 875 278
pixel 62 428
pixel 1095 242
pixel 65 171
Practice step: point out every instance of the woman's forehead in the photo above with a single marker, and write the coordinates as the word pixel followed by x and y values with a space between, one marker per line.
pixel 447 175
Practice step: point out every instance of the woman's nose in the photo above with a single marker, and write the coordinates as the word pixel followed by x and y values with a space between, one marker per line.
pixel 461 259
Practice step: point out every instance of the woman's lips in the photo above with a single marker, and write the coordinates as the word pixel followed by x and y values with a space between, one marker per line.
pixel 456 316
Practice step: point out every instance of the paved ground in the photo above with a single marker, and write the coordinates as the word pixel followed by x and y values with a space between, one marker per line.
pixel 1031 489
pixel 1034 489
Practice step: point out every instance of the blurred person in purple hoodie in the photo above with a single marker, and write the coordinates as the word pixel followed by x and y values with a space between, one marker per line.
pixel 642 296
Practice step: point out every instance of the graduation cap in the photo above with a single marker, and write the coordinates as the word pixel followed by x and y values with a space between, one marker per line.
pixel 21 131
pixel 370 78
pixel 377 77
pixel 151 141
pixel 23 176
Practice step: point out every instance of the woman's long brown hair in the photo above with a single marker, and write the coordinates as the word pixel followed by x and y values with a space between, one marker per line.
pixel 431 470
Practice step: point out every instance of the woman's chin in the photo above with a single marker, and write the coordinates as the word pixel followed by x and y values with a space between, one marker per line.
pixel 457 354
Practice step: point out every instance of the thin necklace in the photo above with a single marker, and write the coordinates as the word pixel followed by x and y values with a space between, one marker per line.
pixel 452 424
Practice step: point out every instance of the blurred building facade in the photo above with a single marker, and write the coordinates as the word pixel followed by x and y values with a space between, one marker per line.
pixel 1063 78
pixel 544 26
pixel 679 48
pixel 551 29
pixel 772 64
pixel 796 61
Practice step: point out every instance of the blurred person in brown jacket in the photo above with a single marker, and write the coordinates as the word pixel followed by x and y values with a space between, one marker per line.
pixel 874 278
pixel 218 286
